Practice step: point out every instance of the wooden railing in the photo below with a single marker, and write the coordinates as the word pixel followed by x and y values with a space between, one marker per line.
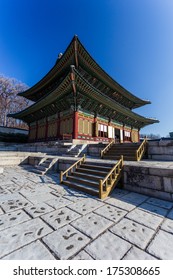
pixel 108 183
pixel 141 150
pixel 71 168
pixel 104 151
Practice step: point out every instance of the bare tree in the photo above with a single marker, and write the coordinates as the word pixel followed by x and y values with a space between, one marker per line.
pixel 10 102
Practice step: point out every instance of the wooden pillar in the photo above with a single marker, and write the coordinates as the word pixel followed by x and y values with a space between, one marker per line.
pixel 36 135
pixel 46 131
pixel 95 126
pixel 75 125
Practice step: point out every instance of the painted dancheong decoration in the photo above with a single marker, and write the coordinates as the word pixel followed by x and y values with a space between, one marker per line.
pixel 78 100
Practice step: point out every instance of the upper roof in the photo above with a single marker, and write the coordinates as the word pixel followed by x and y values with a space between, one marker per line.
pixel 77 55
pixel 75 90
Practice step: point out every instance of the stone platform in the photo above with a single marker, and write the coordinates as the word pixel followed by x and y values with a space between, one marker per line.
pixel 41 219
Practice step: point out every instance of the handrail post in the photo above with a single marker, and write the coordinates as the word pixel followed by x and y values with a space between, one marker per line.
pixel 61 176
pixel 100 189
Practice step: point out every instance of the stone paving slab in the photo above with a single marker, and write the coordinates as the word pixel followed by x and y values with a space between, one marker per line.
pixel 144 218
pixel 137 254
pixel 10 196
pixel 34 251
pixel 160 203
pixel 58 202
pixel 60 217
pixel 82 256
pixel 92 225
pixel 120 204
pixel 84 207
pixel 134 198
pixel 170 215
pixel 161 246
pixel 22 234
pixel 66 242
pixel 38 209
pixel 14 204
pixel 110 212
pixel 1 212
pixel 13 218
pixel 108 247
pixel 167 225
pixel 117 193
pixel 133 232
pixel 42 197
pixel 153 209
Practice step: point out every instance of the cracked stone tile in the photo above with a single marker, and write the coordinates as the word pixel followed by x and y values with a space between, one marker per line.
pixel 61 190
pixel 35 191
pixel 82 256
pixel 84 207
pixel 14 204
pixel 110 212
pixel 161 246
pixel 153 209
pixel 167 225
pixel 13 218
pixel 133 232
pixel 6 197
pixel 108 246
pixel 144 218
pixel 160 203
pixel 34 251
pixel 92 225
pixel 22 234
pixel 134 198
pixel 60 217
pixel 4 191
pixel 120 204
pixel 38 209
pixel 58 202
pixel 66 242
pixel 137 254
pixel 170 215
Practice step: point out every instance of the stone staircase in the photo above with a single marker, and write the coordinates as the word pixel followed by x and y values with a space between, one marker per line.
pixel 44 165
pixel 128 150
pixel 86 177
pixel 76 150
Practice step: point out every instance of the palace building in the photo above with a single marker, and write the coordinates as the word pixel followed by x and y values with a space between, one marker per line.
pixel 78 100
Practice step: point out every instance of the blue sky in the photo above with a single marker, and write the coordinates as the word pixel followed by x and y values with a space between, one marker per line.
pixel 132 40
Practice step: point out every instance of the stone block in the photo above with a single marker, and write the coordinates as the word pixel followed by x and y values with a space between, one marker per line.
pixel 92 225
pixel 153 209
pixel 137 254
pixel 38 209
pixel 121 204
pixel 144 218
pixel 84 207
pixel 161 246
pixel 60 217
pixel 108 246
pixel 34 251
pixel 167 225
pixel 82 256
pixel 22 234
pixel 66 242
pixel 14 204
pixel 160 203
pixel 110 212
pixel 133 232
pixel 168 184
pixel 58 202
pixel 13 218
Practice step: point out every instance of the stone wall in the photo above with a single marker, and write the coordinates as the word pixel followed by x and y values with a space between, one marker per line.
pixel 155 180
pixel 160 149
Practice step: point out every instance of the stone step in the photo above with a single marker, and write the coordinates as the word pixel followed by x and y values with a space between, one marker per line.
pixel 83 181
pixel 114 157
pixel 95 167
pixel 83 188
pixel 40 167
pixel 88 176
pixel 40 172
pixel 94 172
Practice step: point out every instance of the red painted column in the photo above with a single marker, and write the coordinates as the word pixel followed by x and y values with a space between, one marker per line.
pixel 75 125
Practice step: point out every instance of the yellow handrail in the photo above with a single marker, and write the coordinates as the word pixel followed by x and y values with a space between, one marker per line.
pixel 71 167
pixel 107 184
pixel 102 152
pixel 141 150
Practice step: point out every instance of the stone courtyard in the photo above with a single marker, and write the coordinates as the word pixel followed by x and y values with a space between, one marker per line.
pixel 41 219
